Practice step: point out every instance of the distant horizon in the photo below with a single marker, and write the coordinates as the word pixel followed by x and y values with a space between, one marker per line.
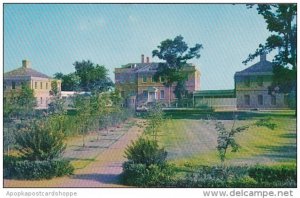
pixel 54 36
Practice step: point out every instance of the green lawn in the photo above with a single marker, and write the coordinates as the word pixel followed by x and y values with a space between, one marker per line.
pixel 192 140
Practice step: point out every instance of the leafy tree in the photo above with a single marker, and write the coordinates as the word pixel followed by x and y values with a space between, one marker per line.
pixel 226 137
pixel 70 82
pixel 58 75
pixel 54 88
pixel 155 120
pixel 83 115
pixel 281 22
pixel 20 104
pixel 176 53
pixel 92 77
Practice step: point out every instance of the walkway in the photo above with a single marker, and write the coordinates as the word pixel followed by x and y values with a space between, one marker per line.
pixel 103 172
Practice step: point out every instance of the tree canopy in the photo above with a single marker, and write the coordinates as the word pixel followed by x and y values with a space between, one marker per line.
pixel 281 22
pixel 87 77
pixel 175 52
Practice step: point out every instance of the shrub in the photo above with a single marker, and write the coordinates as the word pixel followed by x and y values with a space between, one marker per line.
pixel 146 151
pixel 212 177
pixel 148 176
pixel 243 182
pixel 38 142
pixel 273 173
pixel 239 176
pixel 34 170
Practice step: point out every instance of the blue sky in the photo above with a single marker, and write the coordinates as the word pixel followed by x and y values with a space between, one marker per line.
pixel 54 36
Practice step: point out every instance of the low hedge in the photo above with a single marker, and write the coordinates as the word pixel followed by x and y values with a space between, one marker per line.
pixel 241 177
pixel 273 173
pixel 15 168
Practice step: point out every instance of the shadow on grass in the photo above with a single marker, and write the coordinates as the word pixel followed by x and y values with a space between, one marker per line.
pixel 278 153
pixel 228 115
pixel 289 135
pixel 101 178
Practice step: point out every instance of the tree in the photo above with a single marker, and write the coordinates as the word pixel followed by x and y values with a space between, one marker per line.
pixel 54 88
pixel 83 115
pixel 70 82
pixel 281 22
pixel 20 104
pixel 226 137
pixel 92 77
pixel 175 53
pixel 155 120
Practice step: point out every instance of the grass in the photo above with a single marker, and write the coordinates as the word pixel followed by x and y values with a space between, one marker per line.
pixel 193 141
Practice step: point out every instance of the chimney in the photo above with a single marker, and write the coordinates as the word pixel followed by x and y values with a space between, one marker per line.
pixel 142 58
pixel 263 57
pixel 26 63
pixel 147 59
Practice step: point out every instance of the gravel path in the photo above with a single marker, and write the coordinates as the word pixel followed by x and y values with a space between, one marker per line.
pixel 103 172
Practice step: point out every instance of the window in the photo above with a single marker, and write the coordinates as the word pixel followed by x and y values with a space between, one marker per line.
pixel 162 94
pixel 286 99
pixel 41 85
pixel 260 81
pixel 46 85
pixel 247 99
pixel 144 78
pixel 247 81
pixel 260 99
pixel 41 100
pixel 35 85
pixel 13 85
pixel 145 94
pixel 273 100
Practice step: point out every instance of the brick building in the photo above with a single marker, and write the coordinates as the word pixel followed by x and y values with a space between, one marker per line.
pixel 138 87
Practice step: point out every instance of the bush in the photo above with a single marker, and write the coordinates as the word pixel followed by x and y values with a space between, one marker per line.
pixel 273 173
pixel 39 142
pixel 239 176
pixel 243 182
pixel 212 177
pixel 148 176
pixel 17 168
pixel 146 151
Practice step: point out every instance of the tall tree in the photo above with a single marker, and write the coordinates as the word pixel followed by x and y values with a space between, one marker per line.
pixel 281 22
pixel 175 53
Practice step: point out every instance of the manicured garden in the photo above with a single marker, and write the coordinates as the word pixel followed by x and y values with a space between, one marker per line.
pixel 180 150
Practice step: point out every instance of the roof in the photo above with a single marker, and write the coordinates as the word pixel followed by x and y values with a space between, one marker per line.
pixel 22 71
pixel 262 67
pixel 144 67
pixel 215 93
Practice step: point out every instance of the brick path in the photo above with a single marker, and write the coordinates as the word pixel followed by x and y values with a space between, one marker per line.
pixel 103 172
